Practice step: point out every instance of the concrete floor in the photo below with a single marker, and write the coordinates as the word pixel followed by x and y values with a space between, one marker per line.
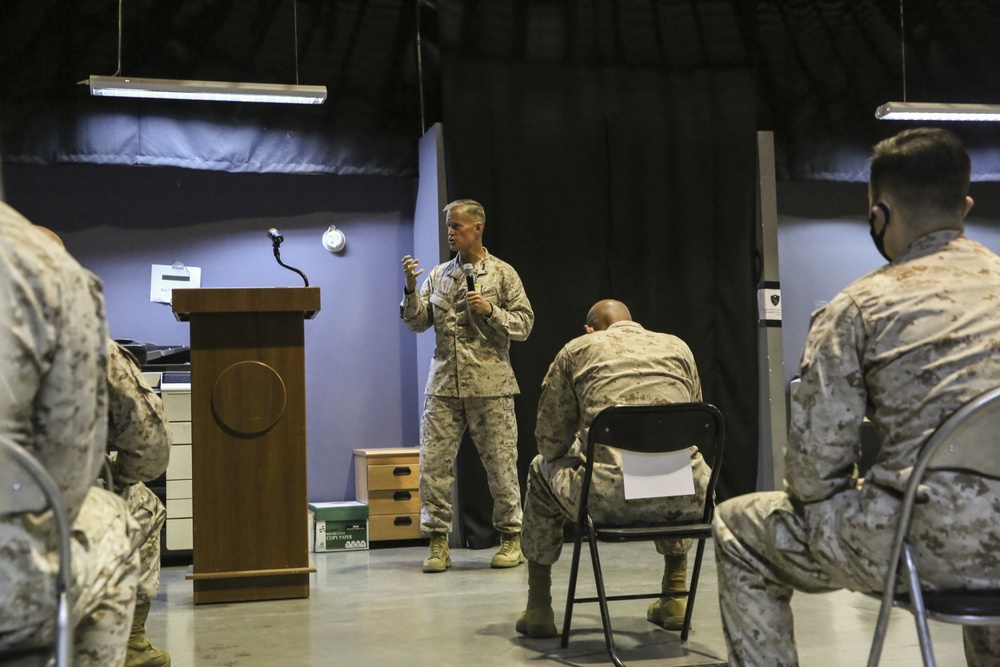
pixel 377 608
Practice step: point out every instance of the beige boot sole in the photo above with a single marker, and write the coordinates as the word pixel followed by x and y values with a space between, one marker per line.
pixel 437 565
pixel 537 623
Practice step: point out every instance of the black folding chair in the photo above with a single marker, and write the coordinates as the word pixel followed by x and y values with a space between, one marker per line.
pixel 646 429
pixel 968 441
pixel 25 486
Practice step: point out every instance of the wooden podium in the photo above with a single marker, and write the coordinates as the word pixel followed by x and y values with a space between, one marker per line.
pixel 248 414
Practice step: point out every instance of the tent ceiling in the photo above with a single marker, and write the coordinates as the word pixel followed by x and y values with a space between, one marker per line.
pixel 823 65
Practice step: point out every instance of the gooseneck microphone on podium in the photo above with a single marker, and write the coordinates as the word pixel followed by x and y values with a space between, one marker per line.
pixel 276 239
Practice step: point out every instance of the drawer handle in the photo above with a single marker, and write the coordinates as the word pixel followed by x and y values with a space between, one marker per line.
pixel 401 471
pixel 402 521
pixel 401 495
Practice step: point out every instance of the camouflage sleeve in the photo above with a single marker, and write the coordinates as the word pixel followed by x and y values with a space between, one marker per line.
pixel 827 409
pixel 696 395
pixel 513 316
pixel 136 425
pixel 558 410
pixel 415 310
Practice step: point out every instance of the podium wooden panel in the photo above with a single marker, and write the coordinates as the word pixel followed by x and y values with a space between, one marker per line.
pixel 248 441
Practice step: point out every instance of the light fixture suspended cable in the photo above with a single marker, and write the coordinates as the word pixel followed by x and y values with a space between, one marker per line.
pixel 931 111
pixel 215 91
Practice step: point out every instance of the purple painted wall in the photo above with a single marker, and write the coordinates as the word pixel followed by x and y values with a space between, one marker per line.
pixel 823 246
pixel 360 360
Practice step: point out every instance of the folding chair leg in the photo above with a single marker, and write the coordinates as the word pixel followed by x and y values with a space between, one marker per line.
pixel 881 627
pixel 64 633
pixel 602 601
pixel 571 595
pixel 919 610
pixel 692 589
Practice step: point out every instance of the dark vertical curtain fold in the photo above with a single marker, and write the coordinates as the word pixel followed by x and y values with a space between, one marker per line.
pixel 613 182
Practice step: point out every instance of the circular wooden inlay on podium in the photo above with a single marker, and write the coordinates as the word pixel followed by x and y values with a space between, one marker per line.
pixel 248 397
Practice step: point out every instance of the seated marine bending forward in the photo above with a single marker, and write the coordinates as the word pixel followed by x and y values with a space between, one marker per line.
pixel 616 362
pixel 910 342
pixel 137 430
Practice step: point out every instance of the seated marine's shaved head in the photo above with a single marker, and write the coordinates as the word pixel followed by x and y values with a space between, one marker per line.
pixel 605 313
pixel 51 234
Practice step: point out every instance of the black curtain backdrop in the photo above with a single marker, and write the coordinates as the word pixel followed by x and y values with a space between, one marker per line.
pixel 612 182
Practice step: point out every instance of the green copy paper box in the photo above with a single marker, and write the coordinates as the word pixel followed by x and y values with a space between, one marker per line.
pixel 338 526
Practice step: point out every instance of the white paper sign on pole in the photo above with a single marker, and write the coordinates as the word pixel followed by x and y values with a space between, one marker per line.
pixel 165 277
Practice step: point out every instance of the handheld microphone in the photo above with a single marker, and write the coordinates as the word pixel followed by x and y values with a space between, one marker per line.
pixel 470 280
pixel 275 237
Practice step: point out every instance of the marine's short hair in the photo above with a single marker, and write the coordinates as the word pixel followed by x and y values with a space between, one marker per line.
pixel 924 167
pixel 469 207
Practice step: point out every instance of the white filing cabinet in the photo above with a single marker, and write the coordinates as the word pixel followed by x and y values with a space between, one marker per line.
pixel 175 390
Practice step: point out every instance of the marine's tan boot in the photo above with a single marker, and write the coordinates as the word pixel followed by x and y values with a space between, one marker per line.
pixel 140 652
pixel 439 556
pixel 509 554
pixel 668 612
pixel 537 618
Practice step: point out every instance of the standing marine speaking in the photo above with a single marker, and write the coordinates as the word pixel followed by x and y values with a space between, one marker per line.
pixel 477 306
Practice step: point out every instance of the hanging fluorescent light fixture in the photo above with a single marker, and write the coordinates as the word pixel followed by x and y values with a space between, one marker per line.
pixel 216 91
pixel 935 111
pixel 932 111
pixel 219 91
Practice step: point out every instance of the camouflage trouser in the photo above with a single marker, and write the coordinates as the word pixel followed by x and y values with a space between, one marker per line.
pixel 150 513
pixel 553 498
pixel 765 550
pixel 105 569
pixel 493 429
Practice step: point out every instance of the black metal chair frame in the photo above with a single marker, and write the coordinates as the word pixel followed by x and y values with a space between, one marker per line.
pixel 962 443
pixel 646 429
pixel 37 492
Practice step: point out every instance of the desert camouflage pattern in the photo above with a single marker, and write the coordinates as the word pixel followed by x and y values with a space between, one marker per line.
pixel 625 364
pixel 140 438
pixel 910 342
pixel 137 429
pixel 53 367
pixel 472 351
pixel 149 513
pixel 471 383
pixel 493 429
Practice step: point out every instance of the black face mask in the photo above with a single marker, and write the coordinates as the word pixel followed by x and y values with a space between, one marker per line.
pixel 879 239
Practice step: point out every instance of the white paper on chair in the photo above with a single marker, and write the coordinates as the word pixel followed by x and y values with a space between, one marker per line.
pixel 657 475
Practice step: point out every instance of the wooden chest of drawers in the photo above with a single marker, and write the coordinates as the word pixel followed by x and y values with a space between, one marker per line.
pixel 387 479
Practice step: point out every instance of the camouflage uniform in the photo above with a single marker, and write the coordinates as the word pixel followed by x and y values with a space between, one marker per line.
pixel 913 340
pixel 137 431
pixel 471 383
pixel 53 371
pixel 623 364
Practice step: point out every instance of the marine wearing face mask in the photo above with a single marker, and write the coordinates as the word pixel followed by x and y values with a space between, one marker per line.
pixel 878 238
pixel 909 343
pixel 910 194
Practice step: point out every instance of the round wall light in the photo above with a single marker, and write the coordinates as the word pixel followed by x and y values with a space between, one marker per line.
pixel 334 239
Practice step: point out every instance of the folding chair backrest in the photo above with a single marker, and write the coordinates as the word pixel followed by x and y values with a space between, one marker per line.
pixel 25 486
pixel 19 492
pixel 970 439
pixel 657 428
pixel 665 427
